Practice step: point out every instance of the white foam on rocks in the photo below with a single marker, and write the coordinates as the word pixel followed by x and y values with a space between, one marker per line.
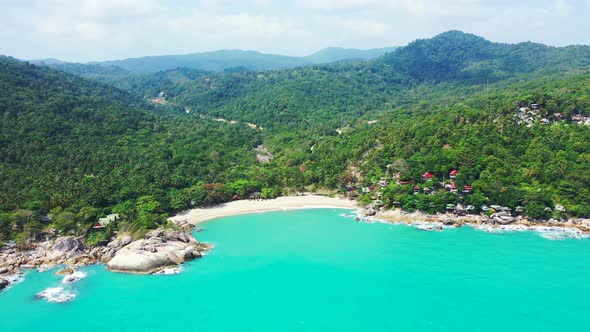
pixel 56 295
pixel 74 277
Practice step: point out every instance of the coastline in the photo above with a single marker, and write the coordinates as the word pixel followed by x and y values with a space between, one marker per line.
pixel 70 251
pixel 577 228
pixel 309 201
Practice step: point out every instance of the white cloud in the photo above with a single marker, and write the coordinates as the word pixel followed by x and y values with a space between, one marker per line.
pixel 107 9
pixel 337 4
pixel 108 29
pixel 415 7
pixel 369 27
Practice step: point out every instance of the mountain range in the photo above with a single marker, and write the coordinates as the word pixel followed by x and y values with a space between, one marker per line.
pixel 218 61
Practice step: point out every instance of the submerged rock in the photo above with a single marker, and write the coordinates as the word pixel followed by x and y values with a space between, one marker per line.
pixel 163 249
pixel 3 284
pixel 65 271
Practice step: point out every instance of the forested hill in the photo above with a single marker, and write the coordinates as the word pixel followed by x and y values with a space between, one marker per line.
pixel 328 96
pixel 430 86
pixel 80 149
pixel 455 55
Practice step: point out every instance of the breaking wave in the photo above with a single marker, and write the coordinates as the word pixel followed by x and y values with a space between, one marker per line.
pixel 56 295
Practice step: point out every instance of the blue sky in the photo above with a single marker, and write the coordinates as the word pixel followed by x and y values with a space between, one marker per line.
pixel 86 30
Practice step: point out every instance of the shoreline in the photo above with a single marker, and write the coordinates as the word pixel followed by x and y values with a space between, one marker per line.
pixel 577 228
pixel 72 252
pixel 44 255
pixel 240 207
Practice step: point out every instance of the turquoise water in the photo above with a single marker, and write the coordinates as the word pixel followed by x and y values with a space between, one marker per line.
pixel 314 270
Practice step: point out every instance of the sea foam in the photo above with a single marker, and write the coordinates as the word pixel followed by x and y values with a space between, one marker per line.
pixel 56 294
pixel 169 271
pixel 74 277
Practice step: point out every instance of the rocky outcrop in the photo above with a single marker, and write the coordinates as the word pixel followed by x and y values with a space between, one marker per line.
pixel 370 212
pixel 502 218
pixel 119 242
pixel 67 245
pixel 453 222
pixel 184 225
pixel 162 249
pixel 43 254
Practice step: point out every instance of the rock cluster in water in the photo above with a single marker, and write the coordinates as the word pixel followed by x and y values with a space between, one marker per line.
pixel 162 249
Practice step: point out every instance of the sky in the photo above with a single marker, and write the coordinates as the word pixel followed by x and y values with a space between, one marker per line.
pixel 94 30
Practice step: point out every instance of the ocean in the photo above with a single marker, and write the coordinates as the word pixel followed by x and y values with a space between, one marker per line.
pixel 317 270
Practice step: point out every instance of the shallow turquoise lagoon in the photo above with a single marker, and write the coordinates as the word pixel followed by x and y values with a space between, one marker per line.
pixel 315 270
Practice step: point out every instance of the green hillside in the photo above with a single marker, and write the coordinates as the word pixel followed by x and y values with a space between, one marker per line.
pixel 79 149
pixel 304 107
pixel 509 118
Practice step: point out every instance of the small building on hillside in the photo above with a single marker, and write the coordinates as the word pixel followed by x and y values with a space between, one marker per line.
pixel 427 176
pixel 577 118
pixel 451 187
pixel 460 210
pixel 453 174
pixel 105 221
pixel 467 189
pixel 429 190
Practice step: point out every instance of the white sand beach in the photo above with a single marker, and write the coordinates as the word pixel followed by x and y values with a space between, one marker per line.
pixel 196 216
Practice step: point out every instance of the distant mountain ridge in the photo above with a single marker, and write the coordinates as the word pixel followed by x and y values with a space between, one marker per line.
pixel 339 54
pixel 219 61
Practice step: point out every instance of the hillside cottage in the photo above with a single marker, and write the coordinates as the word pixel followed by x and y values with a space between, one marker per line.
pixel 104 222
pixel 427 176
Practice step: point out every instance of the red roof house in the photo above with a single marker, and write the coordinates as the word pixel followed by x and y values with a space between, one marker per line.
pixel 453 173
pixel 427 176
